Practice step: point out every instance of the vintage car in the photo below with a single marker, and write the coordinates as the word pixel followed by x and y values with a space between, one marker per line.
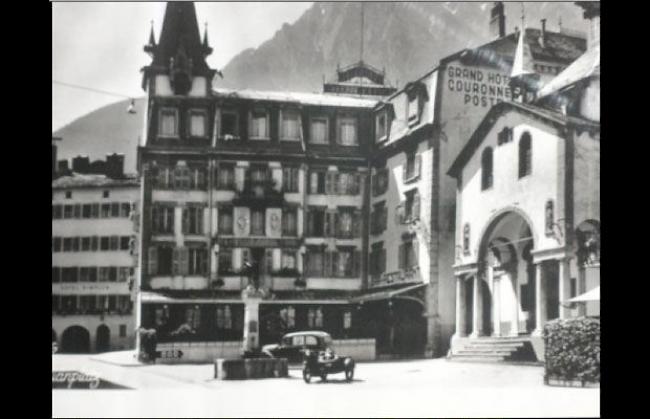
pixel 322 363
pixel 293 345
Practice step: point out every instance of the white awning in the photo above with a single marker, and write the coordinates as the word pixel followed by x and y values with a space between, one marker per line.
pixel 593 295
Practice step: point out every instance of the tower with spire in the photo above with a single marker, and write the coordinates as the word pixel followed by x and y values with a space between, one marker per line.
pixel 524 80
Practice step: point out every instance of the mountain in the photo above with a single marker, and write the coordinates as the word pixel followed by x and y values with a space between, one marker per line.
pixel 405 38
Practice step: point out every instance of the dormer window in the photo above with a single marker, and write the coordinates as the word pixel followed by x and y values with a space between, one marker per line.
pixel 414 108
pixel 229 129
pixel 168 126
pixel 381 126
pixel 290 125
pixel 416 94
pixel 197 123
pixel 259 124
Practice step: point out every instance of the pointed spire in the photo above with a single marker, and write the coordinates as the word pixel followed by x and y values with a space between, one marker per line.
pixel 150 48
pixel 523 64
pixel 206 46
pixel 152 38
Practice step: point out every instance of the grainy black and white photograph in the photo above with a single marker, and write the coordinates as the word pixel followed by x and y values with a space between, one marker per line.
pixel 326 209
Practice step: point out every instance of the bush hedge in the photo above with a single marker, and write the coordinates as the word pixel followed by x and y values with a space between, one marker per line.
pixel 572 350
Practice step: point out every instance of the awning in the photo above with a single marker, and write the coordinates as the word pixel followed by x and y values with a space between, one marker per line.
pixel 148 297
pixel 385 295
pixel 593 295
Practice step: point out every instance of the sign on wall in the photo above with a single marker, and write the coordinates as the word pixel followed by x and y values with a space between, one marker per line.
pixel 478 87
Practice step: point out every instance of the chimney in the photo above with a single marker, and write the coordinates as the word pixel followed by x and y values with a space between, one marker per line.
pixel 497 20
pixel 542 38
pixel 115 165
pixel 63 167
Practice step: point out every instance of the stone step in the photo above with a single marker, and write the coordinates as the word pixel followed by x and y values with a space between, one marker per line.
pixel 507 339
pixel 473 358
pixel 472 351
pixel 508 344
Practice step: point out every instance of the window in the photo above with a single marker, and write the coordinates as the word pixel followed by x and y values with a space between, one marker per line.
pixel 412 205
pixel 288 259
pixel 197 123
pixel 57 212
pixel 168 123
pixel 67 244
pixel 408 254
pixel 56 275
pixel 115 209
pixel 316 222
pixel 379 218
pixel 414 108
pixel 68 211
pixel 377 259
pixel 83 274
pixel 504 136
pixel 76 244
pixel 56 244
pixel 289 222
pixel 319 131
pixel 69 303
pixel 288 316
pixel 258 174
pixel 106 194
pixel 315 262
pixel 94 210
pixel 381 126
pixel 347 132
pixel 69 274
pixel 193 317
pixel 123 273
pixel 197 178
pixel 103 274
pixel 257 222
pixel 226 177
pixel 486 169
pixel 86 211
pixel 94 243
pixel 112 274
pixel 347 183
pixel 225 261
pixel 224 317
pixel 122 330
pixel 412 166
pixel 317 181
pixel 229 125
pixel 525 155
pixel 68 194
pixel 290 126
pixel 114 243
pixel 164 177
pixel 163 219
pixel 343 263
pixel 225 220
pixel 346 221
pixel 347 319
pixel 193 220
pixel 198 263
pixel 125 209
pixel 182 177
pixel 290 179
pixel 315 317
pixel 106 210
pixel 466 237
pixel 380 182
pixel 165 260
pixel 259 124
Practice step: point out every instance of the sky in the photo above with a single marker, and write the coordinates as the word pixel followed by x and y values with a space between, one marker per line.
pixel 99 45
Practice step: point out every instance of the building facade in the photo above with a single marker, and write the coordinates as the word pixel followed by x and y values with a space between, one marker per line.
pixel 528 211
pixel 94 222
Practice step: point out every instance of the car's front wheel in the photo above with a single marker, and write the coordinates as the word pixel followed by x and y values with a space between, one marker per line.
pixel 323 376
pixel 306 375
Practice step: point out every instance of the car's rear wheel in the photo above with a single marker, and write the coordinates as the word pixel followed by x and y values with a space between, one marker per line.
pixel 323 376
pixel 306 375
pixel 349 374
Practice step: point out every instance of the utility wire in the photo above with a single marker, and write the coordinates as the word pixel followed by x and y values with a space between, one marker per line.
pixel 90 89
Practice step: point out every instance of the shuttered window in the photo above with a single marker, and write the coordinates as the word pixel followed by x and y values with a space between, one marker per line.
pixel 319 133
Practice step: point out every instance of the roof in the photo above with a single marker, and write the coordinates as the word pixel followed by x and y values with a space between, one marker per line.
pixel 318 333
pixel 78 180
pixel 491 117
pixel 315 99
pixel 586 66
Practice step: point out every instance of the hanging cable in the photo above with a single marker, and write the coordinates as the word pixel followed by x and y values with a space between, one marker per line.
pixel 130 109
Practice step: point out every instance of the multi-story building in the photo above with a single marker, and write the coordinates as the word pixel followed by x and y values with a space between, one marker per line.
pixel 528 209
pixel 93 241
pixel 419 131
pixel 276 187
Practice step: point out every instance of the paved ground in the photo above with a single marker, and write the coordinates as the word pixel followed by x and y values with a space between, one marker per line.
pixel 418 388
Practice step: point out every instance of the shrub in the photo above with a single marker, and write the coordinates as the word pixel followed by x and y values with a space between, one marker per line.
pixel 572 349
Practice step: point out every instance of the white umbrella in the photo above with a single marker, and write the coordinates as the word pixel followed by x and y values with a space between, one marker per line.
pixel 593 295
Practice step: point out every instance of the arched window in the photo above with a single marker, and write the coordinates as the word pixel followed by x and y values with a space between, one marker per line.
pixel 525 155
pixel 466 239
pixel 486 169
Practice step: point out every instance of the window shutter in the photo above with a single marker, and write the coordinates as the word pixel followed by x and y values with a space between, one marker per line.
pixel 418 165
pixel 204 262
pixel 356 186
pixel 186 220
pixel 384 219
pixel 155 216
pixel 357 223
pixel 400 257
pixel 313 182
pixel 382 261
pixel 415 214
pixel 335 264
pixel 175 261
pixel 416 250
pixel 357 262
pixel 184 260
pixel 269 262
pixel 335 225
pixel 330 183
pixel 327 264
pixel 310 222
pixel 399 213
pixel 152 260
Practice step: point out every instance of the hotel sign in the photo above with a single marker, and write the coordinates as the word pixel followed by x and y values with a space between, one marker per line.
pixel 89 288
pixel 477 86
pixel 258 242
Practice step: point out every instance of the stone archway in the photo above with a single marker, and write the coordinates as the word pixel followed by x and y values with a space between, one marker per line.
pixel 75 340
pixel 506 280
pixel 103 339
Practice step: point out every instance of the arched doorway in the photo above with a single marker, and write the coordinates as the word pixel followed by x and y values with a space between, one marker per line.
pixel 507 276
pixel 75 340
pixel 103 342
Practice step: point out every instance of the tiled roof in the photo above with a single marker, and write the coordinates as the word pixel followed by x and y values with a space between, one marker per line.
pixel 316 99
pixel 586 66
pixel 77 180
